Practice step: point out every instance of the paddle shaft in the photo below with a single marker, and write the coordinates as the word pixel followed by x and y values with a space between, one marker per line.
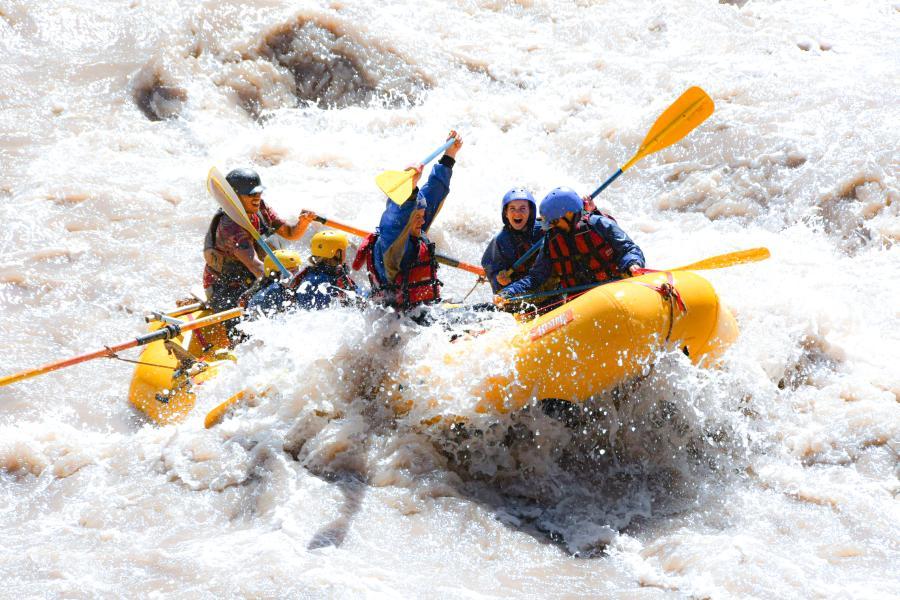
pixel 178 312
pixel 285 274
pixel 434 154
pixel 444 260
pixel 559 292
pixel 165 333
pixel 606 183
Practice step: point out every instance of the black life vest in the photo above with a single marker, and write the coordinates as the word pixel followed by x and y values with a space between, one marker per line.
pixel 581 256
pixel 227 268
pixel 413 286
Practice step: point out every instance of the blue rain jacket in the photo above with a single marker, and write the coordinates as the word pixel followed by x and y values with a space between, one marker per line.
pixel 394 252
pixel 506 248
pixel 320 287
pixel 317 288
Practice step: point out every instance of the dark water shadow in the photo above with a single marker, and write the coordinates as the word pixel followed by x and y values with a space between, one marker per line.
pixel 353 487
pixel 615 473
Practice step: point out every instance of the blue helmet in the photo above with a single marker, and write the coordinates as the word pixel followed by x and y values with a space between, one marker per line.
pixel 558 202
pixel 519 194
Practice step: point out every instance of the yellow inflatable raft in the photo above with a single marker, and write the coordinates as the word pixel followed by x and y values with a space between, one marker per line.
pixel 604 337
pixel 162 386
pixel 583 348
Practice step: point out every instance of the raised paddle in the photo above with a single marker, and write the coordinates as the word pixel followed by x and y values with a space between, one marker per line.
pixel 444 260
pixel 164 333
pixel 225 196
pixel 682 117
pixel 398 184
pixel 714 262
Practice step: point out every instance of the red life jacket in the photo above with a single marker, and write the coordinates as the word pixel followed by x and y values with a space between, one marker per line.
pixel 581 256
pixel 417 285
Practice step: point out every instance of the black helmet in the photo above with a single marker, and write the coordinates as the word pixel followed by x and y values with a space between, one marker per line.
pixel 245 182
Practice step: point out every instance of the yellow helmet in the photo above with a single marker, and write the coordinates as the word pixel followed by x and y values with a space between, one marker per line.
pixel 325 244
pixel 290 259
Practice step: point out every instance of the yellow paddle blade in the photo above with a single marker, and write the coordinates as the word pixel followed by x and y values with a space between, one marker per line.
pixel 692 108
pixel 396 184
pixel 214 416
pixel 225 196
pixel 727 260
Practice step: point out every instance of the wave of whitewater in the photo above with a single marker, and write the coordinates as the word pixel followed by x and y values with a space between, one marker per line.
pixel 774 476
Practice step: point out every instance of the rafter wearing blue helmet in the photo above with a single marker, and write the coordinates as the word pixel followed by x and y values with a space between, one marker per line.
pixel 518 211
pixel 579 248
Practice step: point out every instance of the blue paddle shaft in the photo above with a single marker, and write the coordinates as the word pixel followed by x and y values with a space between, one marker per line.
pixel 432 156
pixel 537 246
pixel 606 184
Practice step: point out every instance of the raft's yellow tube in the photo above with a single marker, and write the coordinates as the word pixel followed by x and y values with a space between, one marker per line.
pixel 159 387
pixel 605 337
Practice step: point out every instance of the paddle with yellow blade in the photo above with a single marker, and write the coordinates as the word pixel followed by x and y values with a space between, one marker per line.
pixel 169 331
pixel 398 184
pixel 720 261
pixel 682 117
pixel 225 196
pixel 714 262
pixel 214 416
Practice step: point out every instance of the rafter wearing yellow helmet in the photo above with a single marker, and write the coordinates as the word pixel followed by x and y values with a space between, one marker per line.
pixel 289 258
pixel 328 243
pixel 315 287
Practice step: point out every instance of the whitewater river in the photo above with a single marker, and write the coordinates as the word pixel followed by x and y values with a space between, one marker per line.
pixel 774 476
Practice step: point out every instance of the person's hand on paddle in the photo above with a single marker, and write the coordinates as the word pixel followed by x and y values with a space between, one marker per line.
pixel 589 205
pixel 503 277
pixel 417 172
pixel 305 219
pixel 634 270
pixel 500 301
pixel 452 150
